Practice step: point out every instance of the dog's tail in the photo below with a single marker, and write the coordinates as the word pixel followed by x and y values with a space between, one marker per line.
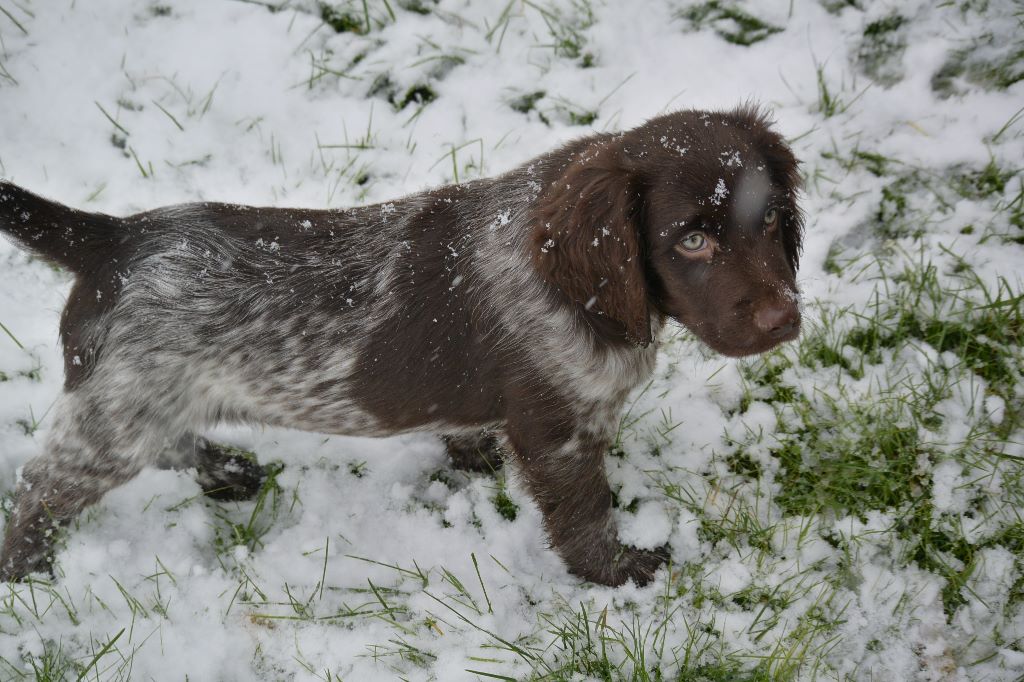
pixel 75 240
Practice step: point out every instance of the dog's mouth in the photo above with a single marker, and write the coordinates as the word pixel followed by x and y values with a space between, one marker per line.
pixel 765 344
pixel 751 341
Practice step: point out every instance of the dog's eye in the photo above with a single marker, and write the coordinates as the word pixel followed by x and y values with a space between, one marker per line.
pixel 771 216
pixel 695 241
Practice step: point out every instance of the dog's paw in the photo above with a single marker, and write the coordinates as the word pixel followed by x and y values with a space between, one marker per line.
pixel 478 454
pixel 20 563
pixel 229 474
pixel 620 564
pixel 638 565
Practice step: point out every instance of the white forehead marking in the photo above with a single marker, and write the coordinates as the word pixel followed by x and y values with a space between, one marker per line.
pixel 751 198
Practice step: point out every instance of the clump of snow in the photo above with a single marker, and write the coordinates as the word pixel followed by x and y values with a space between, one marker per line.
pixel 948 491
pixel 649 527
pixel 721 192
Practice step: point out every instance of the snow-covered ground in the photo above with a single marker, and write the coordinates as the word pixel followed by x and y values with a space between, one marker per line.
pixel 844 508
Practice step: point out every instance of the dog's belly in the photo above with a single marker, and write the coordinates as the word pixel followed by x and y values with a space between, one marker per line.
pixel 307 409
pixel 331 399
pixel 278 392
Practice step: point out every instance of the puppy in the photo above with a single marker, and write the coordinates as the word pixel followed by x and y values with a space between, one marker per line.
pixel 526 305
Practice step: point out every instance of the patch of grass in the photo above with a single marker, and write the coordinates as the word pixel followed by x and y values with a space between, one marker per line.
pixel 851 449
pixel 732 24
pixel 1014 208
pixel 891 217
pixel 986 337
pixel 568 112
pixel 582 118
pixel 956 314
pixel 629 507
pixel 418 6
pixel 527 102
pixel 30 425
pixel 442 476
pixel 830 101
pixel 742 464
pixel 504 505
pixel 762 380
pixel 566 29
pixel 833 258
pixel 417 94
pixel 873 162
pixel 991 62
pixel 881 49
pixel 383 86
pixel 978 184
pixel 265 511
pixel 737 524
pixel 876 164
pixel 867 460
pixel 565 26
pixel 590 642
pixel 915 197
pixel 54 664
pixel 343 20
pixel 837 6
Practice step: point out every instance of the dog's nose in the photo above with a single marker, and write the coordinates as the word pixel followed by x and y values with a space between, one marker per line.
pixel 778 320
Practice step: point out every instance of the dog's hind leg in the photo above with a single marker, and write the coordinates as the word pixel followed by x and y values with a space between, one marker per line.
pixel 98 441
pixel 222 471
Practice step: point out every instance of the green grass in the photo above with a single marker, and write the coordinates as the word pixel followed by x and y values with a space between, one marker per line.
pixel 843 450
pixel 914 199
pixel 566 25
pixel 1001 66
pixel 92 656
pixel 881 50
pixel 833 100
pixel 342 20
pixel 730 22
pixel 360 16
pixel 10 16
pixel 11 336
pixel 248 529
pixel 504 505
pixel 527 102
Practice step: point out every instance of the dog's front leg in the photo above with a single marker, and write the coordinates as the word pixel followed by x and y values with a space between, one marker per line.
pixel 562 463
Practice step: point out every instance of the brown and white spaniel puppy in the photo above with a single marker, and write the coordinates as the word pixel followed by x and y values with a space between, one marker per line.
pixel 526 306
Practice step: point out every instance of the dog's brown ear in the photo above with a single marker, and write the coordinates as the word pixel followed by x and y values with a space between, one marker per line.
pixel 587 242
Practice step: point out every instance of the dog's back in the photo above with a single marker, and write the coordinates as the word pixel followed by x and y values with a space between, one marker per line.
pixel 188 315
pixel 279 316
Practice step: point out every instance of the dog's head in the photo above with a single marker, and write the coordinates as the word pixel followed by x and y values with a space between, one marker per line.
pixel 692 215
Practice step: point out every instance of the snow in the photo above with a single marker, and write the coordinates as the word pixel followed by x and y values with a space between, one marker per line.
pixel 721 192
pixel 260 117
pixel 647 528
